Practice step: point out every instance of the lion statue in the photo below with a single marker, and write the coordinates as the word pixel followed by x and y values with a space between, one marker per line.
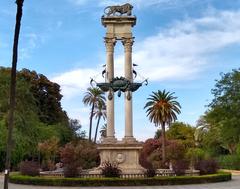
pixel 121 9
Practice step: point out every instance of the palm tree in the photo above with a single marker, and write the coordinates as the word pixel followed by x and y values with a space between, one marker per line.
pixel 93 96
pixel 161 110
pixel 103 131
pixel 13 90
pixel 99 112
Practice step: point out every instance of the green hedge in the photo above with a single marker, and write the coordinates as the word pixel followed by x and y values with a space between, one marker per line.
pixel 176 180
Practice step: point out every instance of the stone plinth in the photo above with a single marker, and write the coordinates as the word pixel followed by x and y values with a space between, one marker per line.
pixel 125 154
pixel 119 27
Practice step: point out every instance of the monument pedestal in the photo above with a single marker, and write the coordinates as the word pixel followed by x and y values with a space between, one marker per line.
pixel 125 154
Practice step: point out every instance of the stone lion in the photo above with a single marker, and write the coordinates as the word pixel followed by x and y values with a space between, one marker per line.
pixel 121 9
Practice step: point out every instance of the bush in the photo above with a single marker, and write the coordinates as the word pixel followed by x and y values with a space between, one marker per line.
pixel 229 162
pixel 30 168
pixel 180 166
pixel 175 150
pixel 207 166
pixel 69 159
pixel 78 155
pixel 156 160
pixel 150 172
pixel 111 169
pixel 149 146
pixel 194 155
pixel 70 171
pixel 58 181
pixel 151 154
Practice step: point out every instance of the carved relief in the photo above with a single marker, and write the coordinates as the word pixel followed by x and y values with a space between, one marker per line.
pixel 120 158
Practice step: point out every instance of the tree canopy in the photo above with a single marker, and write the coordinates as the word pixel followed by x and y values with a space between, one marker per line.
pixel 38 116
pixel 223 114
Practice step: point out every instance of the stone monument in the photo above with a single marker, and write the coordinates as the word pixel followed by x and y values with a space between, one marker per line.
pixel 119 21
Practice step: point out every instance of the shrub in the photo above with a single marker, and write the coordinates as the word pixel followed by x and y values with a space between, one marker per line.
pixel 48 165
pixel 78 155
pixel 58 181
pixel 150 172
pixel 229 162
pixel 111 169
pixel 209 166
pixel 70 171
pixel 151 154
pixel 149 146
pixel 175 150
pixel 194 155
pixel 68 157
pixel 238 149
pixel 180 166
pixel 49 150
pixel 30 168
pixel 156 160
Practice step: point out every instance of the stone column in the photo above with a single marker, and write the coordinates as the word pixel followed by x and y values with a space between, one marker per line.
pixel 128 42
pixel 110 43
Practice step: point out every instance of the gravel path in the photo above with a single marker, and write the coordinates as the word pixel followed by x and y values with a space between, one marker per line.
pixel 233 184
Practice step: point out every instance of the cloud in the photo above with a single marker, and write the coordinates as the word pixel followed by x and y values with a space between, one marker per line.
pixel 74 82
pixel 179 52
pixel 79 2
pixel 31 41
pixel 182 50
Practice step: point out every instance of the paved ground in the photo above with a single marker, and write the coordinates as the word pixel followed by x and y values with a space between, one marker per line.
pixel 233 184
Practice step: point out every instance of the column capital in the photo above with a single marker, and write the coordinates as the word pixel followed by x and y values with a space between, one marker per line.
pixel 110 43
pixel 128 43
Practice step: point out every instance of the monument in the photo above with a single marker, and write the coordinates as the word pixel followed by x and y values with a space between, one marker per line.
pixel 118 21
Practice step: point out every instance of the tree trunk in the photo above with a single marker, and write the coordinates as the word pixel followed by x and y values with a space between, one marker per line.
pixel 95 138
pixel 90 125
pixel 163 144
pixel 12 92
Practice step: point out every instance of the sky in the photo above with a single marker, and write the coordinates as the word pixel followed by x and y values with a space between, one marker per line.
pixel 180 45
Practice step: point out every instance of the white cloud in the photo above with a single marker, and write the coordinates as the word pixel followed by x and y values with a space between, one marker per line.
pixel 74 82
pixel 79 2
pixel 180 51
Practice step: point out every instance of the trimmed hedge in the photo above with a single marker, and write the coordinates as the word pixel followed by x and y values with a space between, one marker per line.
pixel 173 180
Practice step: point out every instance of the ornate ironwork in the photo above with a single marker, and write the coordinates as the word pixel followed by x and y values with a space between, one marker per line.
pixel 120 84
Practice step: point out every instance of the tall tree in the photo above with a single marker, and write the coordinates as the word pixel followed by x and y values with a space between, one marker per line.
pixel 162 109
pixel 13 90
pixel 223 112
pixel 92 97
pixel 182 132
pixel 47 95
pixel 99 112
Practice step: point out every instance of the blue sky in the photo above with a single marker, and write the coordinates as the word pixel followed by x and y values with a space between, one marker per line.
pixel 180 45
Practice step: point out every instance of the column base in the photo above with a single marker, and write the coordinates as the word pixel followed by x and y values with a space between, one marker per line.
pixel 129 140
pixel 109 140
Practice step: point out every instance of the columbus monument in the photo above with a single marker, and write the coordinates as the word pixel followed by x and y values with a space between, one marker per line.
pixel 119 21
